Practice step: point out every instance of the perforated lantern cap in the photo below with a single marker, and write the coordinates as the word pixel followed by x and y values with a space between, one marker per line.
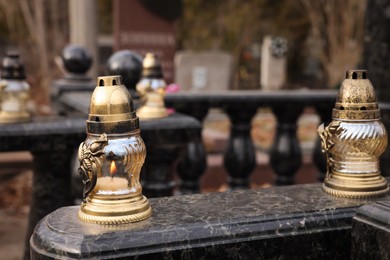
pixel 111 108
pixel 356 98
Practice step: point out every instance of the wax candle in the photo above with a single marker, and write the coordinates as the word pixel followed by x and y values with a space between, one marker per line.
pixel 111 184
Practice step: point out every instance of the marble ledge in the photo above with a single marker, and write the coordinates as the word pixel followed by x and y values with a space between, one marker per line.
pixel 371 231
pixel 295 221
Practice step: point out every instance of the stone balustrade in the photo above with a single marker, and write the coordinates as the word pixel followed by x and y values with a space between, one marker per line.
pixel 241 107
pixel 53 140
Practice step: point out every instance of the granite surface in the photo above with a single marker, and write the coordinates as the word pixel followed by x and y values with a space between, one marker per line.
pixel 371 231
pixel 216 98
pixel 298 221
pixel 53 139
pixel 22 136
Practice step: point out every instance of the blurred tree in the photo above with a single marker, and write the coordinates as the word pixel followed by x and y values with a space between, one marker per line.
pixel 105 16
pixel 232 25
pixel 337 33
pixel 38 29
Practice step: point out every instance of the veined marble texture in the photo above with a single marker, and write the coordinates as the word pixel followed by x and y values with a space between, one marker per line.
pixel 299 221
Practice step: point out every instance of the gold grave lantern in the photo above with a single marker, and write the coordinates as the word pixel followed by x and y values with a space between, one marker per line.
pixel 151 89
pixel 14 91
pixel 111 158
pixel 354 141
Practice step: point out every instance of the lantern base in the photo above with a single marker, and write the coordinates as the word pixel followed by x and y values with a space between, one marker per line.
pixel 114 211
pixel 14 117
pixel 148 112
pixel 355 186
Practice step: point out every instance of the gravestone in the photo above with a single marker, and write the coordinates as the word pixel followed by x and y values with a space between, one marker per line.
pixel 140 27
pixel 273 63
pixel 208 70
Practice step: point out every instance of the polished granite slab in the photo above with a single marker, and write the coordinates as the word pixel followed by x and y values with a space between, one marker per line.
pixel 298 221
pixel 371 231
pixel 53 139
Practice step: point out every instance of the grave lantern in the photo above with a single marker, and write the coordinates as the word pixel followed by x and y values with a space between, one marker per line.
pixel 151 89
pixel 14 90
pixel 111 158
pixel 354 141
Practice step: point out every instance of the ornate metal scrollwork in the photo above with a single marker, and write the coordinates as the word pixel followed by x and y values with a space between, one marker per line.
pixel 326 134
pixel 90 162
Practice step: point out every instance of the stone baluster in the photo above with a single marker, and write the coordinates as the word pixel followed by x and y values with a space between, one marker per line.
pixel 240 155
pixel 193 161
pixel 192 164
pixel 167 140
pixel 286 154
pixel 157 173
pixel 51 184
pixel 325 112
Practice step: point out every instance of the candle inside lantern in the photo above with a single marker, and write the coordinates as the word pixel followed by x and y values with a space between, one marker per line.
pixel 109 184
pixel 113 169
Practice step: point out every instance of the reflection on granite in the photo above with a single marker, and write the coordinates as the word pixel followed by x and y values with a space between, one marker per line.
pixel 371 232
pixel 297 221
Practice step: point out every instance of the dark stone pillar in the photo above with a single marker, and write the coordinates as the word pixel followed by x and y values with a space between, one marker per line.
pixel 286 154
pixel 158 171
pixel 51 187
pixel 371 232
pixel 193 161
pixel 385 158
pixel 167 140
pixel 192 164
pixel 376 58
pixel 240 155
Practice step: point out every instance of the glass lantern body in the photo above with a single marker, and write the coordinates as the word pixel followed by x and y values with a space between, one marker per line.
pixel 151 91
pixel 117 163
pixel 357 146
pixel 14 96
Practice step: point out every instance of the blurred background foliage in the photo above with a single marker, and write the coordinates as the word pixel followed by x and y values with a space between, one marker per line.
pixel 325 36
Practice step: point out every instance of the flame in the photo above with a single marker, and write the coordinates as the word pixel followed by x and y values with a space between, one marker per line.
pixel 113 168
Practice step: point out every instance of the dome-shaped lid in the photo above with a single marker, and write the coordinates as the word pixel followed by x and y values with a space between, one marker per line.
pixel 12 67
pixel 111 108
pixel 356 98
pixel 151 66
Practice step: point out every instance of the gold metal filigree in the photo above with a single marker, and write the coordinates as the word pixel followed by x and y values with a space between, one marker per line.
pixel 90 162
pixel 327 142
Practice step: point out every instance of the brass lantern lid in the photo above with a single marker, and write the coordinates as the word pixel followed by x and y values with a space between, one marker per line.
pixel 151 66
pixel 356 98
pixel 111 108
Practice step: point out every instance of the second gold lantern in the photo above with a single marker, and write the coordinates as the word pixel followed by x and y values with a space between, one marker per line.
pixel 111 158
pixel 354 141
pixel 151 89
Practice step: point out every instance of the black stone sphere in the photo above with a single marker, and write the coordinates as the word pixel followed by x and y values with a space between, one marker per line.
pixel 76 59
pixel 128 64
